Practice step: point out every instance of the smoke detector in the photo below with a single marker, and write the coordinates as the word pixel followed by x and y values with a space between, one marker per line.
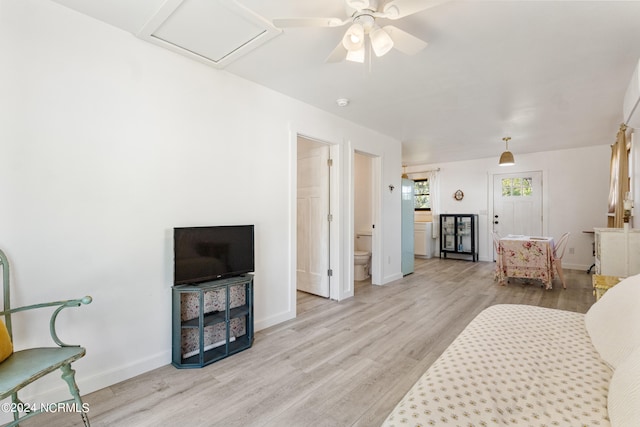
pixel 342 102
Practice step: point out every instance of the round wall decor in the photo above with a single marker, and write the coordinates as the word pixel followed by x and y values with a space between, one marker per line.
pixel 458 195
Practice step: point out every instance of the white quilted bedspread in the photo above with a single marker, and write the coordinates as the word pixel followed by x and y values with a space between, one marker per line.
pixel 512 365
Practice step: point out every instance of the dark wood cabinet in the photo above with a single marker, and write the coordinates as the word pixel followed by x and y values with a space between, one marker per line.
pixel 459 235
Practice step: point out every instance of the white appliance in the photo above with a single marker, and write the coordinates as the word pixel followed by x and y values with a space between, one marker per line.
pixel 631 106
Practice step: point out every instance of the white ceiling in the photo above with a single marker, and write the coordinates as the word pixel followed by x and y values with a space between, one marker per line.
pixel 550 74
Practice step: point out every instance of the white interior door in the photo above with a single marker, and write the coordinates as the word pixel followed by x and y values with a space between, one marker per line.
pixel 312 269
pixel 517 203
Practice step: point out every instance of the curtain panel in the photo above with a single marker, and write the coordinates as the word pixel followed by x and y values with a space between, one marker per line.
pixel 619 179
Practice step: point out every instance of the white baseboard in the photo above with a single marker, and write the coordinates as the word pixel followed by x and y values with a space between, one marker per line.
pixel 273 320
pixel 93 383
pixel 391 278
pixel 121 373
pixel 577 267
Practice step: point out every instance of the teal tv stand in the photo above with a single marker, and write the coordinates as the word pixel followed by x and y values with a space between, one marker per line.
pixel 211 320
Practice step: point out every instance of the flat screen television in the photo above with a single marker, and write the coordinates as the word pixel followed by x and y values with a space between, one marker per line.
pixel 202 254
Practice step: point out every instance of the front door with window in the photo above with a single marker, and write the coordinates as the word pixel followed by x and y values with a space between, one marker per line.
pixel 517 203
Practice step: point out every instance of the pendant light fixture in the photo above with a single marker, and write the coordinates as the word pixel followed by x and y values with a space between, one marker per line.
pixel 506 159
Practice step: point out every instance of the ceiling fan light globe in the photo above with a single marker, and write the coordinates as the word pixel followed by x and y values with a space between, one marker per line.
pixel 380 41
pixel 354 37
pixel 356 55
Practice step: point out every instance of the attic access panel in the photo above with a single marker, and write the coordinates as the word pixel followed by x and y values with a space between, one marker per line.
pixel 215 32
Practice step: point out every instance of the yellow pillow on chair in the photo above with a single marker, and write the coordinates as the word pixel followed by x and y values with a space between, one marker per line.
pixel 6 347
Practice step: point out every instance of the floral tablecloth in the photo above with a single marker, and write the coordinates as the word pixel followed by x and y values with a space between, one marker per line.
pixel 525 257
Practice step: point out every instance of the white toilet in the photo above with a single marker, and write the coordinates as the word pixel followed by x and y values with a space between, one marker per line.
pixel 362 256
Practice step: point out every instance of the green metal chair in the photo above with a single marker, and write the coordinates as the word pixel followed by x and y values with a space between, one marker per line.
pixel 23 367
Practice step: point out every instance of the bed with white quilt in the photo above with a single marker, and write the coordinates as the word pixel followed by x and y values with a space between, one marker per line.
pixel 533 366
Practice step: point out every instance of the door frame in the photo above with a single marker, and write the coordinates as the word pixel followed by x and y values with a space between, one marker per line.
pixel 325 235
pixel 376 206
pixel 544 208
pixel 335 230
pixel 341 200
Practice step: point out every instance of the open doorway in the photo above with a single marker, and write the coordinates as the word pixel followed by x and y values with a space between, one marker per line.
pixel 366 200
pixel 341 233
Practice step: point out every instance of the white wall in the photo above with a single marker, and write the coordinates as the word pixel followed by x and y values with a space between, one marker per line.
pixel 575 192
pixel 108 143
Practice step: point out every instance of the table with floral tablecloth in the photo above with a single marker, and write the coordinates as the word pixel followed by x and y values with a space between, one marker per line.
pixel 525 257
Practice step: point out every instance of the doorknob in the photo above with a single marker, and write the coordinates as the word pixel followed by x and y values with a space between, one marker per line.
pixel 495 222
pixel 495 216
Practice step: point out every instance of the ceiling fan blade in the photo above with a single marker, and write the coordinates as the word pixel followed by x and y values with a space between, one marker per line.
pixel 396 9
pixel 358 4
pixel 338 54
pixel 403 41
pixel 308 22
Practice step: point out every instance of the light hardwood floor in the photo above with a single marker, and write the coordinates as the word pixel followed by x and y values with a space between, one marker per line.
pixel 337 364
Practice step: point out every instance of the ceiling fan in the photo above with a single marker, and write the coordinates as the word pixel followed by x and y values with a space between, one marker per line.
pixel 362 15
